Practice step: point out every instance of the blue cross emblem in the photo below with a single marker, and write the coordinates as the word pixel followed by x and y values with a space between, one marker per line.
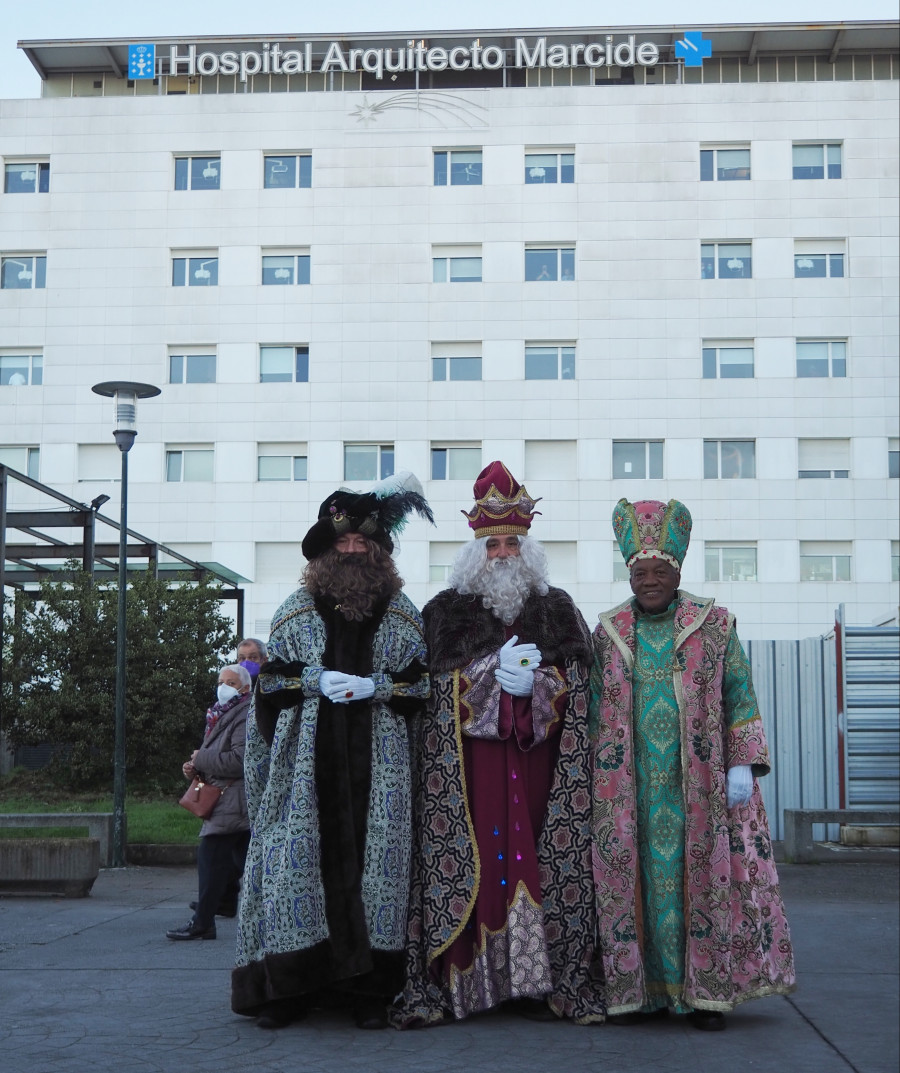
pixel 693 48
pixel 141 61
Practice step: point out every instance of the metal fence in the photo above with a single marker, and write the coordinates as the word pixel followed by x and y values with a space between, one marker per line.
pixel 831 710
pixel 796 687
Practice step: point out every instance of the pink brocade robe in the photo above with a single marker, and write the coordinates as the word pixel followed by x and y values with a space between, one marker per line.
pixel 737 939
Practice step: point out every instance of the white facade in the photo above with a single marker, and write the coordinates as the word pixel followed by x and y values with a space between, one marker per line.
pixel 637 313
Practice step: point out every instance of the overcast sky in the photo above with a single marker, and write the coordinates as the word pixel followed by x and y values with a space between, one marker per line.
pixel 61 19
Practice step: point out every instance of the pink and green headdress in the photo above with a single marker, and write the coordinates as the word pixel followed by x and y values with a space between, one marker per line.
pixel 652 530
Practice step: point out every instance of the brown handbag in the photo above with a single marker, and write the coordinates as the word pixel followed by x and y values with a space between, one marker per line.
pixel 202 797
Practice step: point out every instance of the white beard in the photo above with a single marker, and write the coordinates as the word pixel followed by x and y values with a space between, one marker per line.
pixel 504 586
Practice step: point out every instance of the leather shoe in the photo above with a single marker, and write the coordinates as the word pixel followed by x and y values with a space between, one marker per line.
pixel 191 931
pixel 707 1020
pixel 371 1014
pixel 533 1009
pixel 222 911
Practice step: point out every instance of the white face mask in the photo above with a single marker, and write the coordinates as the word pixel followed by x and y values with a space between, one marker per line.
pixel 225 693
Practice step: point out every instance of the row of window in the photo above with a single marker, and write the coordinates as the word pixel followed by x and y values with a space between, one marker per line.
pixel 721 359
pixel 813 259
pixel 631 460
pixel 451 167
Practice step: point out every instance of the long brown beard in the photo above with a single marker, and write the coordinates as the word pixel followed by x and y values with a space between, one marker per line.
pixel 356 581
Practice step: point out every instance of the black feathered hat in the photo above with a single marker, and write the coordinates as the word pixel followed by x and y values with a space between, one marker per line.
pixel 377 514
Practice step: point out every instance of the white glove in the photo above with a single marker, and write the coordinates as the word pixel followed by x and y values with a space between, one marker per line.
pixel 513 657
pixel 341 688
pixel 518 681
pixel 739 785
pixel 333 682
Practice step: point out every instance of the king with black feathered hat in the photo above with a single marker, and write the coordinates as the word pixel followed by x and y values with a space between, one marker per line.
pixel 329 780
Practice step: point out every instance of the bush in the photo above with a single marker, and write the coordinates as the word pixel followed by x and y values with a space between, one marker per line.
pixel 59 676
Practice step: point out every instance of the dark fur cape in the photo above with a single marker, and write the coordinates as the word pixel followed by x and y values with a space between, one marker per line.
pixel 460 628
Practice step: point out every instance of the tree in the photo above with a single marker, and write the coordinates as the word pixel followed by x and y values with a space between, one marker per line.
pixel 59 675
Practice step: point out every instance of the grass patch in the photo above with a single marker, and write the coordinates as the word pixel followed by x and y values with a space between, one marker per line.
pixel 150 820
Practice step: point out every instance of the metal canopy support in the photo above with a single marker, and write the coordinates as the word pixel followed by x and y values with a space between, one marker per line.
pixel 837 45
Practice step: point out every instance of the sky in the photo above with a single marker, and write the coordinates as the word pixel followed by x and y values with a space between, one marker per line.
pixel 66 19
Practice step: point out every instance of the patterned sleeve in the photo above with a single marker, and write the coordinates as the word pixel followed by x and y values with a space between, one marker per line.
pixel 746 740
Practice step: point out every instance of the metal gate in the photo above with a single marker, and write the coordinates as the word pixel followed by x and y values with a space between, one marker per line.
pixel 868 686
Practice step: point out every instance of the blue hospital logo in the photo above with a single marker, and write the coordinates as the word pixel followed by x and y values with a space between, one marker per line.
pixel 693 49
pixel 141 61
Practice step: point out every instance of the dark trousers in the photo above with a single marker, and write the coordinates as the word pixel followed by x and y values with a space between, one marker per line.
pixel 220 863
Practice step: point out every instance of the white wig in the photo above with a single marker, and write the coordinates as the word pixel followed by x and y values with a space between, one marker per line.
pixel 503 585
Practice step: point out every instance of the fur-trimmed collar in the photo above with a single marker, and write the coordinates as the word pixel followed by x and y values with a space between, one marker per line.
pixel 460 628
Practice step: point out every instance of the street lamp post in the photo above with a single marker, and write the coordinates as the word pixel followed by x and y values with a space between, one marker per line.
pixel 126 393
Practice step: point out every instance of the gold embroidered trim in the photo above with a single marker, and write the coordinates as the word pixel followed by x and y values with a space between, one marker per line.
pixel 469 823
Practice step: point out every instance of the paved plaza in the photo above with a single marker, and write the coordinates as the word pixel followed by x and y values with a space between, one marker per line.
pixel 93 986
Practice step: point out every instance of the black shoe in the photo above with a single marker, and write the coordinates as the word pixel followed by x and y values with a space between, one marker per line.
pixel 637 1017
pixel 191 931
pixel 707 1020
pixel 370 1014
pixel 222 911
pixel 279 1014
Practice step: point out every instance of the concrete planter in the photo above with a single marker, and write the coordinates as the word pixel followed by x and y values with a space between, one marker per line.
pixel 161 855
pixel 66 866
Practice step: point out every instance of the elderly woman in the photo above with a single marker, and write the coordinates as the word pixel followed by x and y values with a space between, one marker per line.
pixel 225 835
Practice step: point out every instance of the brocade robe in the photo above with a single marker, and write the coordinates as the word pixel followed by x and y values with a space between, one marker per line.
pixel 329 794
pixel 689 909
pixel 502 893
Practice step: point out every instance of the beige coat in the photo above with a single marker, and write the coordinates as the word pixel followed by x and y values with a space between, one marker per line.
pixel 219 760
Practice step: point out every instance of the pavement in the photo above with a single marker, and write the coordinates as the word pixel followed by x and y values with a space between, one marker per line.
pixel 93 986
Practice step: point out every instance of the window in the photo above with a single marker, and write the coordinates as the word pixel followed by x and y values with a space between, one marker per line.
pixel 456 264
pixel 638 459
pixel 197 172
pixel 821 357
pixel 368 461
pixel 456 361
pixel 549 361
pixel 99 462
pixel 823 458
pixel 550 460
pixel 17 370
pixel 192 368
pixel 26 460
pixel 284 269
pixel 289 171
pixel 562 561
pixel 27 178
pixel 818 259
pixel 620 570
pixel 726 260
pixel 457 167
pixel 726 459
pixel 894 458
pixel 825 560
pixel 724 165
pixel 727 359
pixel 441 556
pixel 550 166
pixel 195 270
pixel 23 272
pixel 543 263
pixel 457 463
pixel 283 364
pixel 281 462
pixel 817 161
pixel 895 560
pixel 730 562
pixel 194 463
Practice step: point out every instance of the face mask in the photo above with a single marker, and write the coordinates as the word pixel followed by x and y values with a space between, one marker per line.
pixel 225 693
pixel 251 667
